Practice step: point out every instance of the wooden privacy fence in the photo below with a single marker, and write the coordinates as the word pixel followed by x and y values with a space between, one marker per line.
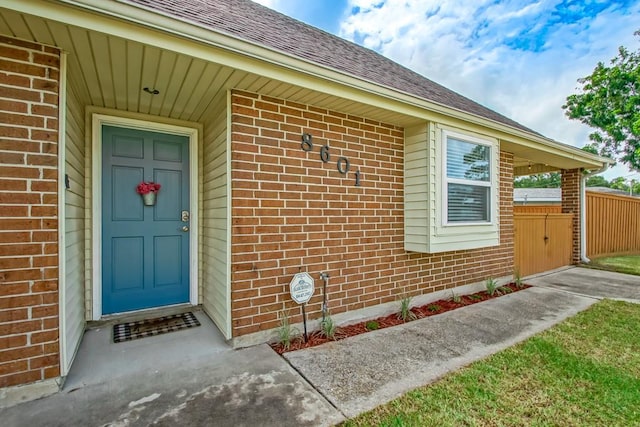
pixel 537 209
pixel 613 224
pixel 543 241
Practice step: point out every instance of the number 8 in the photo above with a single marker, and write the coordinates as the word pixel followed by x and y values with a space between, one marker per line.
pixel 306 144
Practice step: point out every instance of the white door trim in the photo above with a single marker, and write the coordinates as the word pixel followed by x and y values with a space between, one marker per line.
pixel 101 117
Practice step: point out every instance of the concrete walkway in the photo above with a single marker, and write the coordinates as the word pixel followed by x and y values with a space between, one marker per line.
pixel 365 371
pixel 322 385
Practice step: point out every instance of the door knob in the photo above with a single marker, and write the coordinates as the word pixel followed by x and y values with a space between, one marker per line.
pixel 185 228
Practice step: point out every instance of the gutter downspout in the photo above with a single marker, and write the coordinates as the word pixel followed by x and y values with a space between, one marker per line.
pixel 583 213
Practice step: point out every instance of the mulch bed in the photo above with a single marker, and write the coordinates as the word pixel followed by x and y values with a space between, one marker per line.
pixel 431 309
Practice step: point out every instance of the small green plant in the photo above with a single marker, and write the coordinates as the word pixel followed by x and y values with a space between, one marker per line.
pixel 406 314
pixel 456 298
pixel 286 333
pixel 492 286
pixel 372 325
pixel 433 308
pixel 517 279
pixel 505 290
pixel 475 297
pixel 328 328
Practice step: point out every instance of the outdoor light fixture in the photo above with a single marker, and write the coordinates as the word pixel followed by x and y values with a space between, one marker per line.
pixel 151 91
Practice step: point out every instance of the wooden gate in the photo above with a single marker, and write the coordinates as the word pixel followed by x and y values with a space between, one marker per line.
pixel 543 241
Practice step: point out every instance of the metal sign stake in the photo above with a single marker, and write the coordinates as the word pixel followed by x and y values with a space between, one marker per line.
pixel 304 320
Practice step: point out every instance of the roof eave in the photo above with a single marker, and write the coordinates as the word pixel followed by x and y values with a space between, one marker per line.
pixel 166 23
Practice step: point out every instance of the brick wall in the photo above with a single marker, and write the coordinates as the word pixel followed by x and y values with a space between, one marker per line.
pixel 292 212
pixel 29 83
pixel 571 204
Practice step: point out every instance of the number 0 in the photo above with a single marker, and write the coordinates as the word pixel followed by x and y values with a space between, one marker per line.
pixel 343 165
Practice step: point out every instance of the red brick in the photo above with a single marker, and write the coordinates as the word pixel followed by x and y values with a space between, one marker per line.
pixel 13 315
pixel 17 67
pixel 52 372
pixel 14 80
pixel 50 186
pixel 15 106
pixel 19 327
pixel 19 145
pixel 43 361
pixel 18 172
pixel 44 311
pixel 13 185
pixel 11 158
pixel 20 378
pixel 18 198
pixel 13 367
pixel 7 263
pixel 13 211
pixel 45 336
pixel 48 60
pixel 45 85
pixel 44 110
pixel 20 43
pixel 20 301
pixel 42 160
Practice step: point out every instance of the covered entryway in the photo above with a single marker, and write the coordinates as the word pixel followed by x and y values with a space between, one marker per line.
pixel 145 244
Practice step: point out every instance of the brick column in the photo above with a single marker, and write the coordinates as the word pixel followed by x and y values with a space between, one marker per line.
pixel 571 204
pixel 29 333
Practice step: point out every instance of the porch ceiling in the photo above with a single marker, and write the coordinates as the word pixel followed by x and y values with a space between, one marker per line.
pixel 111 72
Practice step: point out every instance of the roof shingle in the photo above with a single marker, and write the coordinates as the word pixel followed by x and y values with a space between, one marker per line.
pixel 255 23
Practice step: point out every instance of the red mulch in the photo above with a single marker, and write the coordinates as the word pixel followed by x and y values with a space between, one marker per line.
pixel 431 309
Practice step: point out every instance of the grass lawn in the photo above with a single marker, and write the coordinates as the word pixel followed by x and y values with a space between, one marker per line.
pixel 583 372
pixel 629 264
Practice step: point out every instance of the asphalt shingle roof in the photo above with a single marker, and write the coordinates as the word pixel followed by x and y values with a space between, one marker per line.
pixel 255 23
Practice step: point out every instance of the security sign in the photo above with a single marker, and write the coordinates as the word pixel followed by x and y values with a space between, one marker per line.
pixel 301 287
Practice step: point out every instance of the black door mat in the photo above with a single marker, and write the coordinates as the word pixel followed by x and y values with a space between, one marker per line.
pixel 150 327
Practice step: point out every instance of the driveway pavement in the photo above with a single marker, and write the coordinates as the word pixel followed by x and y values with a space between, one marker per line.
pixel 591 282
pixel 313 387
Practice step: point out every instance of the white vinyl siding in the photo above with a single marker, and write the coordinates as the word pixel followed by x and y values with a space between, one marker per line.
pixel 215 218
pixel 417 191
pixel 426 228
pixel 74 218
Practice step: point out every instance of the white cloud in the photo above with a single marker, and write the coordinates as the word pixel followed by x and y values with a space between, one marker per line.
pixel 272 4
pixel 521 58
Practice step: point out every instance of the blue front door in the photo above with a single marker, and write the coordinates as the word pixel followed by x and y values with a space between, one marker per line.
pixel 145 249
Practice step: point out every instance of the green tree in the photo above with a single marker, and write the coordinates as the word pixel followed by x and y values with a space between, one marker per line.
pixel 609 101
pixel 597 181
pixel 619 183
pixel 540 180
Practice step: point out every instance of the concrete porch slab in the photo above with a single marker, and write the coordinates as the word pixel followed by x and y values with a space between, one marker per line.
pixel 250 387
pixel 190 377
pixel 362 372
pixel 592 282
pixel 100 360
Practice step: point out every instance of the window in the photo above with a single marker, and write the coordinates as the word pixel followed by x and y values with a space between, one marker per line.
pixel 467 180
pixel 451 189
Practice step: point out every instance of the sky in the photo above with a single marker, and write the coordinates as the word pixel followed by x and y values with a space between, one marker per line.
pixel 521 58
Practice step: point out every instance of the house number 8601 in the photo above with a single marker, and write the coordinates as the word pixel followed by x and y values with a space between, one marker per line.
pixel 342 163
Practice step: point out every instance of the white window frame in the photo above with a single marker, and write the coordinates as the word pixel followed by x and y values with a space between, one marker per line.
pixel 491 184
